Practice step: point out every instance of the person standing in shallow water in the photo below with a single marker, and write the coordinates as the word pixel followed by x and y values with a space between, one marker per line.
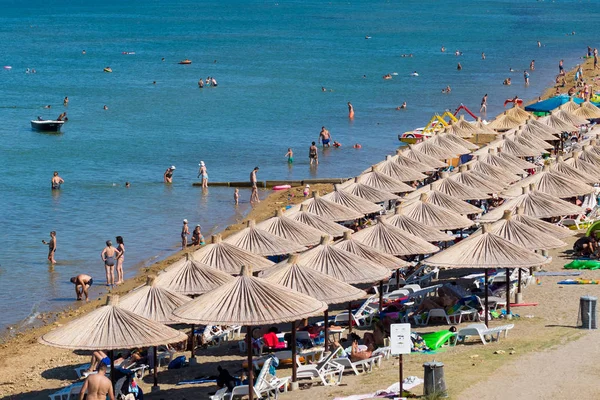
pixel 313 154
pixel 120 259
pixel 350 111
pixel 253 180
pixel 56 181
pixel 168 175
pixel 185 231
pixel 51 247
pixel 109 255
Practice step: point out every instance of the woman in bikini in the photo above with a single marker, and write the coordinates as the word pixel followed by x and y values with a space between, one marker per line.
pixel 109 255
pixel 120 258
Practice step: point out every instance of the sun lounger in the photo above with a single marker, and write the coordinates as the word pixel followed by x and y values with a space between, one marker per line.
pixel 364 365
pixel 66 392
pixel 265 385
pixel 328 372
pixel 481 331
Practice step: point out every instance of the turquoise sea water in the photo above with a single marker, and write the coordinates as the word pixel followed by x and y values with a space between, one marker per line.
pixel 271 60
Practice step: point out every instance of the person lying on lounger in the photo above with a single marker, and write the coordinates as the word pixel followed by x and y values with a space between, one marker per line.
pixel 359 355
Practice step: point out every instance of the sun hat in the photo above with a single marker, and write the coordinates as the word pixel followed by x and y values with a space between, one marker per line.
pixel 172 167
pixel 185 221
pixel 201 163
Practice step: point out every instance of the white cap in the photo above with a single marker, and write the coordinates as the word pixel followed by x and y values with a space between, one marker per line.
pixel 185 221
pixel 172 167
pixel 201 163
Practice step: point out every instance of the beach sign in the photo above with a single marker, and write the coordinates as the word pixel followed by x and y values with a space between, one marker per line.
pixel 400 339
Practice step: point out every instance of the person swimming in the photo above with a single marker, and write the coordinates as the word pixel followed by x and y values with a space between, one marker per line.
pixel 56 181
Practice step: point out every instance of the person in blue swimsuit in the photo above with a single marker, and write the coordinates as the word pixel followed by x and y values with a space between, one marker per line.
pixel 109 256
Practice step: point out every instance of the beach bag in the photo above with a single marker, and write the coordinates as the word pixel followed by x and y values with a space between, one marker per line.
pixel 177 363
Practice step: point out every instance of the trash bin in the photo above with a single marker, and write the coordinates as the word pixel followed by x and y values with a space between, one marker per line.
pixel 587 312
pixel 433 373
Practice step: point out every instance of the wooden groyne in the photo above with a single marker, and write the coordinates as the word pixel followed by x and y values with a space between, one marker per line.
pixel 270 184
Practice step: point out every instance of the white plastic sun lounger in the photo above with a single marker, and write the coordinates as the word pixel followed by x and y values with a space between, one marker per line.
pixel 481 331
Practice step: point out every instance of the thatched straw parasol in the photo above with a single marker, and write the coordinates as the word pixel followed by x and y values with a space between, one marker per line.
pixel 423 158
pixel 569 106
pixel 587 110
pixel 557 123
pixel 367 192
pixel 407 162
pixel 525 165
pixel 563 168
pixel 342 265
pixel 449 145
pixel 111 327
pixel 327 209
pixel 575 118
pixel 249 301
pixel 427 147
pixel 435 216
pixel 533 142
pixel 589 155
pixel 523 235
pixel 262 242
pixel 229 258
pixel 517 149
pixel 459 141
pixel 450 202
pixel 456 189
pixel 477 180
pixel 457 131
pixel 540 130
pixel 582 165
pixel 407 224
pixel 154 303
pixel 497 173
pixel 504 122
pixel 559 232
pixel 389 239
pixel 317 222
pixel 384 182
pixel 465 126
pixel 552 183
pixel 483 128
pixel 517 113
pixel 370 253
pixel 351 201
pixel 535 204
pixel 191 278
pixel 289 229
pixel 391 168
pixel 494 159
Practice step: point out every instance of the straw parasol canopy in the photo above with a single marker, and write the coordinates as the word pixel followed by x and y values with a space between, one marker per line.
pixel 540 130
pixel 342 265
pixel 423 158
pixel 289 229
pixel 589 155
pixel 391 168
pixel 111 327
pixel 494 159
pixel 327 209
pixel 552 183
pixel 460 141
pixel 370 253
pixel 464 125
pixel 587 110
pixel 249 301
pixel 262 242
pixel 575 118
pixel 389 239
pixel 569 106
pixel 366 192
pixel 497 173
pixel 384 182
pixel 557 123
pixel 435 216
pixel 517 149
pixel 559 232
pixel 487 250
pixel 477 180
pixel 457 131
pixel 582 165
pixel 580 175
pixel 292 275
pixel 517 113
pixel 154 302
pixel 535 204
pixel 451 203
pixel 407 162
pixel 517 161
pixel 351 201
pixel 456 189
pixel 504 122
pixel 533 142
pixel 483 128
pixel 523 235
pixel 449 145
pixel 229 258
pixel 317 222
pixel 191 278
pixel 427 147
pixel 407 224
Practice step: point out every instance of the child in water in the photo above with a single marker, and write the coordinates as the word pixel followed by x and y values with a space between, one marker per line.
pixel 236 196
pixel 290 155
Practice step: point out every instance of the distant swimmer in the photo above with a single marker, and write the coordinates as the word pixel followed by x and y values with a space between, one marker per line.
pixel 213 82
pixel 162 59
pixel 483 108
pixel 324 137
pixel 290 155
pixel 457 53
pixel 402 107
pixel 459 67
pixel 56 181
pixel 367 37
pixel 127 184
pixel 337 145
pixel 511 70
pixel 539 43
pixel 357 146
pixel 415 73
pixel 236 196
pixel 507 82
pixel 483 56
pixel 201 83
pixel 532 65
pixel 51 247
pixel 323 89
pixel 48 106
pixel 447 89
pixel 154 82
pixel 83 52
pixel 105 107
pixel 66 101
pixel 387 76
pixel 350 111
pixel 82 283
pixel 313 154
pixel 168 175
pixel 443 49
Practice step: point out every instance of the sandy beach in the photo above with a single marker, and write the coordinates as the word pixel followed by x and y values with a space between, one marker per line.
pixel 544 340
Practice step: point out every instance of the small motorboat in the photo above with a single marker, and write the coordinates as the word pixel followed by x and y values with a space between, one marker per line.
pixel 47 125
pixel 185 62
pixel 107 69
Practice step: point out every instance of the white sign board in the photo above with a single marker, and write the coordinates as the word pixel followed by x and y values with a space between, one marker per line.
pixel 400 339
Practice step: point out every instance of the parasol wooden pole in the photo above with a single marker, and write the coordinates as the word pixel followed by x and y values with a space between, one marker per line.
pixel 326 316
pixel 112 368
pixel 155 373
pixel 380 296
pixel 294 366
pixel 250 366
pixel 507 292
pixel 349 318
pixel 192 342
pixel 397 278
pixel 485 308
pixel 519 285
